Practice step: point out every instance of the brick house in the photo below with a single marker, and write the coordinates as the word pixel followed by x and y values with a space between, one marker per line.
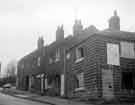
pixel 79 65
pixel 31 69
pixel 102 66
pixel 43 70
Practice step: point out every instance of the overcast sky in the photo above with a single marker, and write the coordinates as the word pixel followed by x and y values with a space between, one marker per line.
pixel 22 21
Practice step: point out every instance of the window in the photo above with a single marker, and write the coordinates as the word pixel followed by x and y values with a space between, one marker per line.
pixel 80 81
pixel 68 55
pixel 79 53
pixel 127 50
pixel 113 54
pixel 128 80
pixel 57 55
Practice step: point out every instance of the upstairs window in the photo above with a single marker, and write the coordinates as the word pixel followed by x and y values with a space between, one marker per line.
pixel 79 54
pixel 57 55
pixel 113 54
pixel 127 50
pixel 68 55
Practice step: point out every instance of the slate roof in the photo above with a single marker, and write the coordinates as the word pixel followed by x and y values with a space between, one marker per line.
pixel 118 34
pixel 111 34
pixel 67 42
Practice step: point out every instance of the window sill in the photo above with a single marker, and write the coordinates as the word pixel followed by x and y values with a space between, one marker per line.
pixel 79 89
pixel 79 60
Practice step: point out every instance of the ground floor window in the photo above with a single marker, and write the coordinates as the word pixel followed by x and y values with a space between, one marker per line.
pixel 79 81
pixel 128 80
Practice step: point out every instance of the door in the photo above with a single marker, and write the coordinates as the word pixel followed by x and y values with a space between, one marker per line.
pixel 30 82
pixel 107 84
pixel 27 83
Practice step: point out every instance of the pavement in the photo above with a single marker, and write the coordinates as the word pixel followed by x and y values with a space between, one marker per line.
pixel 42 99
pixel 52 100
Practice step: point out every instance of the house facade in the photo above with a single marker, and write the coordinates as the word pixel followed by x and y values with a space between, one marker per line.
pixel 88 64
pixel 31 70
pixel 102 66
pixel 43 70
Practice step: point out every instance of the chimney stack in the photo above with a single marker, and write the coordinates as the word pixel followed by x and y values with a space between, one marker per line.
pixel 77 28
pixel 60 33
pixel 114 22
pixel 40 43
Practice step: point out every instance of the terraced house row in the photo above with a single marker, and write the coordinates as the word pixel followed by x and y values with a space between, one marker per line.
pixel 88 64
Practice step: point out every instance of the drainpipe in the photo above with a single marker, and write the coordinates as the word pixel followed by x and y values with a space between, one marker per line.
pixel 65 75
pixel 23 80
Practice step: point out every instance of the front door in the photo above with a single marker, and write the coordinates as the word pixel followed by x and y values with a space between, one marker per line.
pixel 107 84
pixel 27 83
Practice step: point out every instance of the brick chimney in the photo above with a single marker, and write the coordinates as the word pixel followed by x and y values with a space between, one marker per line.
pixel 60 33
pixel 40 42
pixel 114 22
pixel 77 28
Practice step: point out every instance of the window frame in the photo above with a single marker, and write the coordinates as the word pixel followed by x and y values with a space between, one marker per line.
pixel 57 56
pixel 80 86
pixel 121 53
pixel 79 54
pixel 109 53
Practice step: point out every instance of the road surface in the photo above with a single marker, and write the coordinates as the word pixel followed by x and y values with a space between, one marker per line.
pixel 10 100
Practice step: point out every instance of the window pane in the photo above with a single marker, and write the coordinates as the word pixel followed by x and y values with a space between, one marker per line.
pixel 80 79
pixel 127 50
pixel 113 54
pixel 79 53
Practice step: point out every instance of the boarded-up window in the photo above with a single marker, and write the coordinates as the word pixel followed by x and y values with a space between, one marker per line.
pixel 127 50
pixel 113 54
pixel 80 78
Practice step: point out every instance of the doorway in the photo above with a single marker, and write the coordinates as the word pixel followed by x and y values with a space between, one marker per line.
pixel 107 84
pixel 128 81
pixel 27 83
